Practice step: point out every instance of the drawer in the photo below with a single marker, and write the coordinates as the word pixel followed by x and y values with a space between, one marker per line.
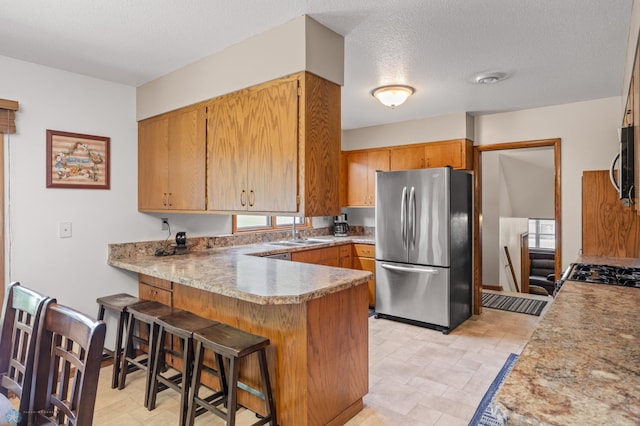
pixel 345 250
pixel 155 282
pixel 148 292
pixel 364 250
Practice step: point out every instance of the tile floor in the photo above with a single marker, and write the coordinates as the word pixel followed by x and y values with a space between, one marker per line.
pixel 417 376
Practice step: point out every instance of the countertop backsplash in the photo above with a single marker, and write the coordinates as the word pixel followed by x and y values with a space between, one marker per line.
pixel 149 248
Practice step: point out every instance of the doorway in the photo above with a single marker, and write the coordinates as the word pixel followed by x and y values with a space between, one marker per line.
pixel 551 144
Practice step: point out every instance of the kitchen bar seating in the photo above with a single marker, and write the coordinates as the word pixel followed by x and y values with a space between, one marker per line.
pixel 142 314
pixel 181 325
pixel 21 315
pixel 231 344
pixel 118 304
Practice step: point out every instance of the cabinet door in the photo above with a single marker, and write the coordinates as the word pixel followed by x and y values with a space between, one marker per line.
pixel 153 163
pixel 361 176
pixel 407 158
pixel 445 154
pixel 273 148
pixel 186 158
pixel 367 264
pixel 357 175
pixel 378 160
pixel 226 154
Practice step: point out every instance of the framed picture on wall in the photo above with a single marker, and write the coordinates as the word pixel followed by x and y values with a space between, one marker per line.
pixel 77 161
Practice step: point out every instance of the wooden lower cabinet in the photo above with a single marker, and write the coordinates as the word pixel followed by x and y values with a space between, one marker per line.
pixel 364 259
pixel 328 256
pixel 156 289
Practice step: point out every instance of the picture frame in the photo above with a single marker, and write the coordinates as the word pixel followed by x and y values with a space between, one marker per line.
pixel 78 161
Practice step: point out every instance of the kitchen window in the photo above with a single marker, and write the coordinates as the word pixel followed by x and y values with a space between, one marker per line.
pixel 257 223
pixel 542 234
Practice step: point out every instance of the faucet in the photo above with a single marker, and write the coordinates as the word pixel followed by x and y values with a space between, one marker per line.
pixel 293 230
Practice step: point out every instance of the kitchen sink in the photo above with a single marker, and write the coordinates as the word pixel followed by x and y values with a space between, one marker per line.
pixel 299 242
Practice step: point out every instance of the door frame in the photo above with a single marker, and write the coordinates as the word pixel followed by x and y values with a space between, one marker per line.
pixel 477 207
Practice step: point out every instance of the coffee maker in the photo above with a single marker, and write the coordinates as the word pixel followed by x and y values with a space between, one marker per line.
pixel 340 227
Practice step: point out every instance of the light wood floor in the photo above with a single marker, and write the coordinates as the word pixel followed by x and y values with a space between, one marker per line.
pixel 417 376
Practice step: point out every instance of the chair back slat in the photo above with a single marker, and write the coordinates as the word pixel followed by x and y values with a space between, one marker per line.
pixel 68 366
pixel 20 322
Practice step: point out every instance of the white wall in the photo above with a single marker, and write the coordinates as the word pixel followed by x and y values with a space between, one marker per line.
pixel 589 141
pixel 75 269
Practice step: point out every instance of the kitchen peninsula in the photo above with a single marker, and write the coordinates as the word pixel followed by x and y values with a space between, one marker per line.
pixel 315 317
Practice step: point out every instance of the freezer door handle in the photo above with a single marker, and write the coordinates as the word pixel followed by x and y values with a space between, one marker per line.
pixel 412 215
pixel 414 269
pixel 403 214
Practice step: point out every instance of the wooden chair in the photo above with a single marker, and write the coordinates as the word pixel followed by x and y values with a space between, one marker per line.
pixel 70 346
pixel 21 315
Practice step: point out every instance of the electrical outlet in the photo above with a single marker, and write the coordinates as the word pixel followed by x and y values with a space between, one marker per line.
pixel 165 224
pixel 64 229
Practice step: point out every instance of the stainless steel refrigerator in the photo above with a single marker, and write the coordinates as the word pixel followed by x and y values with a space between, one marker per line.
pixel 423 247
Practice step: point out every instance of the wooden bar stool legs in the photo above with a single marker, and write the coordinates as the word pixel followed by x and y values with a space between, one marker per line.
pixel 117 303
pixel 142 314
pixel 181 325
pixel 230 344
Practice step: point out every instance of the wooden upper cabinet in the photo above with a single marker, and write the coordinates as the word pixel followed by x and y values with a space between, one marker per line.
pixel 408 157
pixel 361 167
pixel 171 161
pixel 226 154
pixel 456 153
pixel 274 148
pixel 253 149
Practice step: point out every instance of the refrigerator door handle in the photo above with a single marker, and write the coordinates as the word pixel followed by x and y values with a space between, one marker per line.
pixel 412 215
pixel 403 214
pixel 414 269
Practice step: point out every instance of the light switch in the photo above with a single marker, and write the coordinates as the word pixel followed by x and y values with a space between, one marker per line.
pixel 64 229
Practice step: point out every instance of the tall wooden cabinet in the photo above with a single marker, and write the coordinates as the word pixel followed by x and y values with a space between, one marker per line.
pixel 171 161
pixel 252 149
pixel 608 227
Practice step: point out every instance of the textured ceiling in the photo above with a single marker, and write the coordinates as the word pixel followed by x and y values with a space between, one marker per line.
pixel 554 51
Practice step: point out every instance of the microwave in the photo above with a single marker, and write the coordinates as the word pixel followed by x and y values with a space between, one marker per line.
pixel 624 184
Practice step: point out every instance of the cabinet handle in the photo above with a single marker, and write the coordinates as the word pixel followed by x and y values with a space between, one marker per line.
pixel 242 196
pixel 170 204
pixel 164 199
pixel 252 198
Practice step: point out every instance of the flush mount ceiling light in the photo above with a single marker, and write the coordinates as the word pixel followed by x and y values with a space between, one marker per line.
pixel 392 96
pixel 490 77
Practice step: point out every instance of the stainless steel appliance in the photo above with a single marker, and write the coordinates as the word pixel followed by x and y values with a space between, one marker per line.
pixel 626 174
pixel 340 226
pixel 423 247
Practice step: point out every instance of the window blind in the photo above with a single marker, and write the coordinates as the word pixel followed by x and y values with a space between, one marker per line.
pixel 8 116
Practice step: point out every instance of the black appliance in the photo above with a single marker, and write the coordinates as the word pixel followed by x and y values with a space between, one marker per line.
pixel 626 172
pixel 340 226
pixel 603 274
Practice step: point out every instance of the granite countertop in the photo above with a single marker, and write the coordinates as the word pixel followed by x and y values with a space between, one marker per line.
pixel 582 364
pixel 240 272
pixel 612 261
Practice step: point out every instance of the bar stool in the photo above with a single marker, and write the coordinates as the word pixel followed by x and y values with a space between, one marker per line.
pixel 118 304
pixel 141 314
pixel 182 325
pixel 231 344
